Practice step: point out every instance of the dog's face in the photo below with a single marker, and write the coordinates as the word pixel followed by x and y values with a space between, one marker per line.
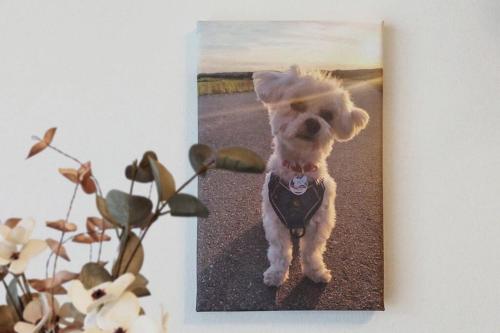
pixel 308 111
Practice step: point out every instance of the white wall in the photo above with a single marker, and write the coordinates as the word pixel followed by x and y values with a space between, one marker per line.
pixel 118 77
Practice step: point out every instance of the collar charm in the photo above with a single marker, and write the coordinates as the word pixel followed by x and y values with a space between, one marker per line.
pixel 298 185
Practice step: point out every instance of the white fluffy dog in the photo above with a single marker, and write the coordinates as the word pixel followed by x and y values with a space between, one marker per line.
pixel 308 112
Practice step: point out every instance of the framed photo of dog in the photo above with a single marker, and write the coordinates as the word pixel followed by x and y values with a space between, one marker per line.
pixel 307 234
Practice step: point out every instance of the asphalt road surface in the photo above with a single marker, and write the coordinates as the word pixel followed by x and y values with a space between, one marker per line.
pixel 231 242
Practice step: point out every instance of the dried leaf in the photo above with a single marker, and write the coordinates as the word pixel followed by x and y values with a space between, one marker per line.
pixel 165 183
pixel 96 224
pixel 85 178
pixel 3 272
pixel 83 239
pixel 12 222
pixel 128 209
pixel 135 262
pixel 93 274
pixel 141 172
pixel 199 155
pixel 8 318
pixel 44 143
pixel 55 284
pixel 240 160
pixel 56 249
pixel 49 135
pixel 71 174
pixel 62 225
pixel 99 237
pixel 72 317
pixel 187 205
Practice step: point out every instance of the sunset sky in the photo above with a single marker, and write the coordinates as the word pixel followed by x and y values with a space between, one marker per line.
pixel 249 46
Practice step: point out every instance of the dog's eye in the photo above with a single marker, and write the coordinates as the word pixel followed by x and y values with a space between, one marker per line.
pixel 298 106
pixel 326 115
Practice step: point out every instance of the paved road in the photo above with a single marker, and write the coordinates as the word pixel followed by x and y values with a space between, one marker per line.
pixel 231 243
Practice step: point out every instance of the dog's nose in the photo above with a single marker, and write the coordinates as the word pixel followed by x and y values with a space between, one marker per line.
pixel 312 126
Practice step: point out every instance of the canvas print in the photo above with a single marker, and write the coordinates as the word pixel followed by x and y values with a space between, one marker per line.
pixel 307 234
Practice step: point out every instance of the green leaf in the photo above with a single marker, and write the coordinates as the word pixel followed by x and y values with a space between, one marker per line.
pixel 199 155
pixel 102 207
pixel 128 210
pixel 240 160
pixel 13 291
pixel 187 205
pixel 141 172
pixel 93 274
pixel 137 260
pixel 8 318
pixel 165 183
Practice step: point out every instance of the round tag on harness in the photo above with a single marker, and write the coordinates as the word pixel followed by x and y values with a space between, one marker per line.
pixel 298 185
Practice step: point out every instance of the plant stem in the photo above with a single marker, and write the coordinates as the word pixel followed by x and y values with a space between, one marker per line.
pixel 101 241
pixel 60 151
pixel 159 209
pixel 59 246
pixel 26 285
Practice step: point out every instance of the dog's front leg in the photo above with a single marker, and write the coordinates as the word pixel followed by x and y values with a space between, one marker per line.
pixel 279 252
pixel 312 247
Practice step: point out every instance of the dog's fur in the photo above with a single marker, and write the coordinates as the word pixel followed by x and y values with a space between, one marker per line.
pixel 317 96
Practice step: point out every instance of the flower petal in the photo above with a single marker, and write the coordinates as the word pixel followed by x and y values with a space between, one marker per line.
pixel 22 232
pixel 22 327
pixel 118 287
pixel 79 296
pixel 5 231
pixel 32 248
pixel 90 320
pixel 144 324
pixel 6 251
pixel 120 313
pixel 18 266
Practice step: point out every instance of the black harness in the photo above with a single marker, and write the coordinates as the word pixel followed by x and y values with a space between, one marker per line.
pixel 295 211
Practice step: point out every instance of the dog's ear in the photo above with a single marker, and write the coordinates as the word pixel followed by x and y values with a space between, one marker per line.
pixel 349 122
pixel 267 86
pixel 270 86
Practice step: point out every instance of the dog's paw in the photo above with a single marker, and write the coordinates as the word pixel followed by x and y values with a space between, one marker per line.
pixel 322 275
pixel 274 278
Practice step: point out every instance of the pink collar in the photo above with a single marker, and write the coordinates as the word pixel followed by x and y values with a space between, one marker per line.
pixel 309 167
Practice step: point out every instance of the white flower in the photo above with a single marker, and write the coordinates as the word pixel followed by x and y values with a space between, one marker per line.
pixel 122 316
pixel 87 300
pixel 17 248
pixel 146 324
pixel 114 317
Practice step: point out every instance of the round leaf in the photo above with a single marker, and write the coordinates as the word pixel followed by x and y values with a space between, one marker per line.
pixel 187 205
pixel 165 183
pixel 136 261
pixel 126 209
pixel 93 274
pixel 102 207
pixel 240 160
pixel 199 154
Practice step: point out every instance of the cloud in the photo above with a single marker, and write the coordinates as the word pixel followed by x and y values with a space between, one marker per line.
pixel 256 45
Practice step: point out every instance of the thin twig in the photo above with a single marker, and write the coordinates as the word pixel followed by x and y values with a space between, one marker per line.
pixel 59 246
